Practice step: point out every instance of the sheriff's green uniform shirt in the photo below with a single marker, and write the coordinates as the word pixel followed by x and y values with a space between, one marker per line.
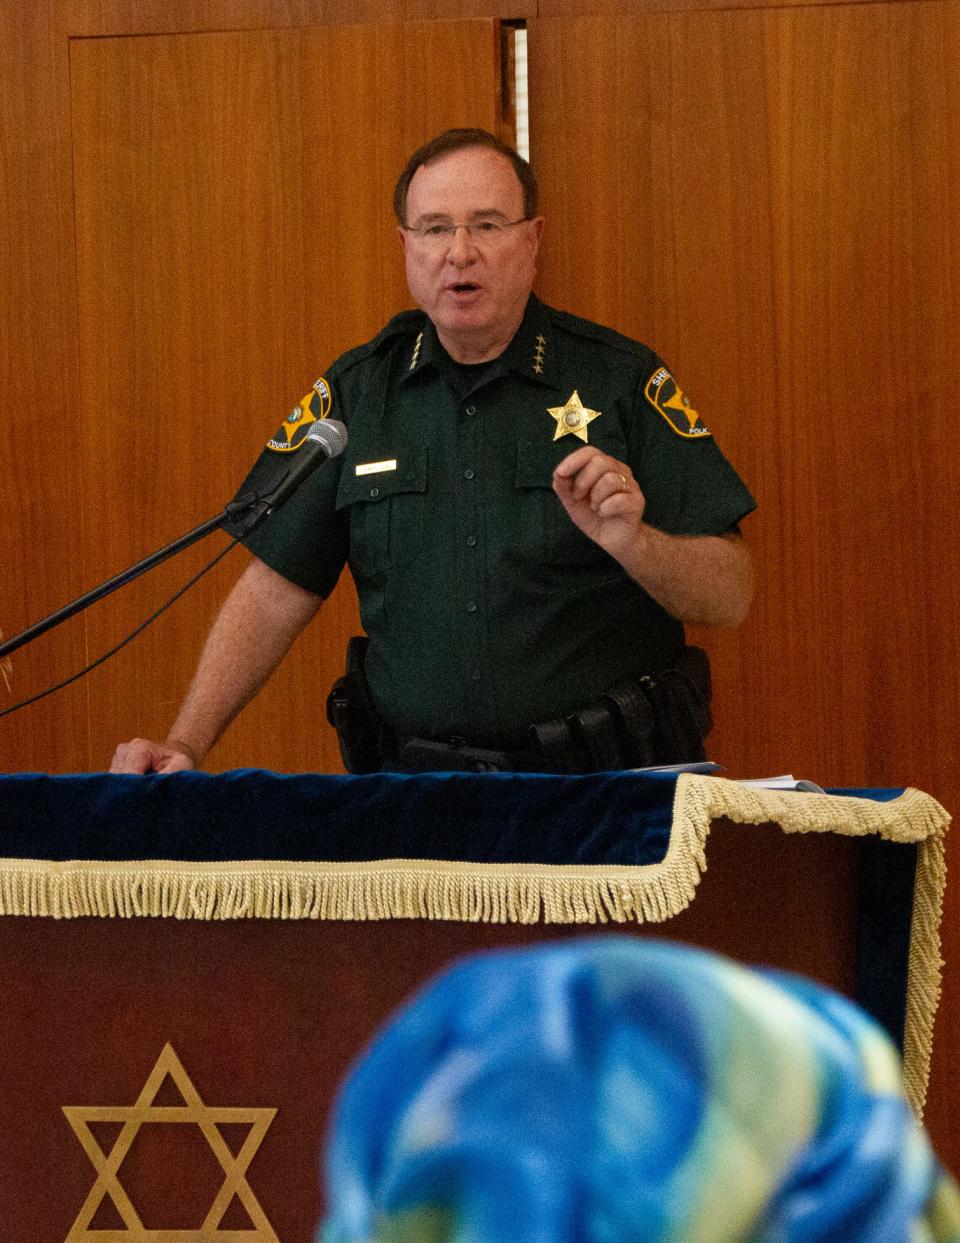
pixel 486 608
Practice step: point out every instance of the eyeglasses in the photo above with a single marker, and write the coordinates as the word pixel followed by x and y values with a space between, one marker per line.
pixel 485 233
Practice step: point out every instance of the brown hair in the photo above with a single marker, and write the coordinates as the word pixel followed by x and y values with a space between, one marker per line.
pixel 458 140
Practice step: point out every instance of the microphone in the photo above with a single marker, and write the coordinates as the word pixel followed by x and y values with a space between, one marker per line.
pixel 326 438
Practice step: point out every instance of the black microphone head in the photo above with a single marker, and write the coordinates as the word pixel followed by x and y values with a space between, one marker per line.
pixel 331 434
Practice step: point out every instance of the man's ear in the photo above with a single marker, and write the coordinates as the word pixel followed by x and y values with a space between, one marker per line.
pixel 537 222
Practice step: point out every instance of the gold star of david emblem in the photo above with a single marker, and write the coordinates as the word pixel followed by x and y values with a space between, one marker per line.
pixel 572 419
pixel 208 1118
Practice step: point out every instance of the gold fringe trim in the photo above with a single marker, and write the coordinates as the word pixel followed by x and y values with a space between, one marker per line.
pixel 913 817
pixel 382 889
pixel 385 889
pixel 924 970
pixel 512 893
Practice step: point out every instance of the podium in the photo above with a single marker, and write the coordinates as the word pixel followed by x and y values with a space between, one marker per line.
pixel 190 963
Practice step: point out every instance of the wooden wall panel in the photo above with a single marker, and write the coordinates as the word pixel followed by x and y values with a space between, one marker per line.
pixel 126 17
pixel 234 235
pixel 40 472
pixel 638 8
pixel 769 199
pixel 42 538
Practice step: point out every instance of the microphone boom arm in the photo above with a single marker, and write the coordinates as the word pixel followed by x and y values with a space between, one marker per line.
pixel 326 439
pixel 112 584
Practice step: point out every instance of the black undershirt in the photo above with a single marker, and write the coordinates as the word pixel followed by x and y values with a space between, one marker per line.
pixel 468 376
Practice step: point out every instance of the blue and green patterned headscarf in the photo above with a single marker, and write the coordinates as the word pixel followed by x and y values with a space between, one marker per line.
pixel 621 1090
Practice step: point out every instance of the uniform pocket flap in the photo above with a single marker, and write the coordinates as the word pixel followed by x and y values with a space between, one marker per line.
pixel 536 463
pixel 377 477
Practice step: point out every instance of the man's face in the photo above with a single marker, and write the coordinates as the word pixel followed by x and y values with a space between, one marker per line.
pixel 474 289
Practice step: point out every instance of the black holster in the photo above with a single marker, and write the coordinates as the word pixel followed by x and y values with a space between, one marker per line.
pixel 351 712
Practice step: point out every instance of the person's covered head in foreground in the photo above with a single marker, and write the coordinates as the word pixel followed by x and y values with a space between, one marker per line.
pixel 620 1090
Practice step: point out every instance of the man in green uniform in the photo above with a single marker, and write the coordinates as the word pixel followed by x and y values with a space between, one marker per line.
pixel 528 504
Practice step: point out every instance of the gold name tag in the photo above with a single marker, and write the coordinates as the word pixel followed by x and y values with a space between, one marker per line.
pixel 377 468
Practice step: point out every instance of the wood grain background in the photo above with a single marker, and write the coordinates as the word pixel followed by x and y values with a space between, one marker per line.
pixel 768 197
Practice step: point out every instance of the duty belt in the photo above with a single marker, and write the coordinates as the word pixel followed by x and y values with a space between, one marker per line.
pixel 644 720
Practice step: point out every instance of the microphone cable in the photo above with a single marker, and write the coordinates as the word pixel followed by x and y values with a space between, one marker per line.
pixel 123 642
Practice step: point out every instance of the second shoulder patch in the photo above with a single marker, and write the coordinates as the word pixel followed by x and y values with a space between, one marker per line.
pixel 666 397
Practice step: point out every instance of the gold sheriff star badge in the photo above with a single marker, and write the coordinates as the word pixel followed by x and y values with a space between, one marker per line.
pixel 572 419
pixel 208 1118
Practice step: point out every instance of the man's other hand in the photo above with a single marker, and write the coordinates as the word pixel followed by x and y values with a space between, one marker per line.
pixel 602 498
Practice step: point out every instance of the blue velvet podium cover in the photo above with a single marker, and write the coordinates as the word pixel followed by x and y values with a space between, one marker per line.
pixel 494 847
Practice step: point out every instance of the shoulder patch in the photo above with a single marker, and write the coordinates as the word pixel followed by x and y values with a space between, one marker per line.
pixel 666 397
pixel 293 431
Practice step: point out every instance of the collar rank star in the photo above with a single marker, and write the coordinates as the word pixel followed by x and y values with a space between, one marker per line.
pixel 572 419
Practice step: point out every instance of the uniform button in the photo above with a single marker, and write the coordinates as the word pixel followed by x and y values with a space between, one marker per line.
pixel 471 541
pixel 471 409
pixel 374 492
pixel 471 606
pixel 468 474
pixel 475 676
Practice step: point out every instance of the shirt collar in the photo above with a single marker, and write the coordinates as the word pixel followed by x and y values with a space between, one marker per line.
pixel 531 353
